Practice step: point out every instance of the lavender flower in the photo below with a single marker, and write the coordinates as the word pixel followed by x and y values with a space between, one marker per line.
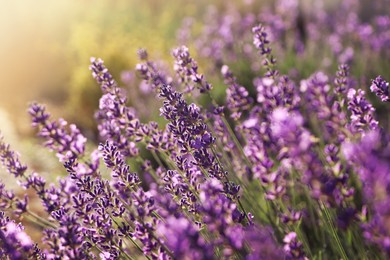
pixel 207 187
pixel 362 112
pixel 69 144
pixel 187 70
pixel 14 242
pixel 293 247
pixel 263 244
pixel 184 239
pixel 370 159
pixel 381 88
pixel 10 160
pixel 342 82
pixel 261 43
pixel 187 125
pixel 237 97
pixel 221 216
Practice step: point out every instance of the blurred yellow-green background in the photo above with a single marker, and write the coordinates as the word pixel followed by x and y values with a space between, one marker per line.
pixel 45 48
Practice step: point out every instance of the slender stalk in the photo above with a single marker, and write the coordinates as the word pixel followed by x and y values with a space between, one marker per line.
pixel 333 230
pixel 41 220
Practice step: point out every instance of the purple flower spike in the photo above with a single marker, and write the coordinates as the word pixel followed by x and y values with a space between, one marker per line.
pixel 237 97
pixel 187 70
pixel 10 160
pixel 260 40
pixel 67 141
pixel 101 75
pixel 362 112
pixel 381 88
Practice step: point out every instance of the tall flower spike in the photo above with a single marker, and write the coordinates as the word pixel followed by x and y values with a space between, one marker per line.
pixel 381 88
pixel 116 121
pixel 261 42
pixel 342 81
pixel 187 125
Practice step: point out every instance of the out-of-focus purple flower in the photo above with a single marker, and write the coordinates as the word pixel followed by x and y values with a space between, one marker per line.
pixel 152 74
pixel 261 43
pixel 293 247
pixel 327 108
pixel 272 93
pixel 13 231
pixel 342 81
pixel 237 97
pixel 316 89
pixel 184 239
pixel 288 128
pixel 381 88
pixel 362 112
pixel 370 158
pixel 262 244
pixel 291 216
pixel 184 33
pixel 346 57
pixel 14 242
pixel 221 217
pixel 142 54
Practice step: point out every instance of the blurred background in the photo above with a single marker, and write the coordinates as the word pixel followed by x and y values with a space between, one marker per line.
pixel 45 48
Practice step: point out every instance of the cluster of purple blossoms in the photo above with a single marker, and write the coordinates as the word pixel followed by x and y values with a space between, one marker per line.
pixel 15 243
pixel 362 112
pixel 186 68
pixel 381 88
pixel 237 97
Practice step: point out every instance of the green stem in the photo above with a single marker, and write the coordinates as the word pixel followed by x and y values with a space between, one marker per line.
pixel 333 230
pixel 131 239
pixel 236 142
pixel 41 220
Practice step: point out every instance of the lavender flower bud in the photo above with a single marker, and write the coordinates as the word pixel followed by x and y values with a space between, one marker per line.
pixel 293 247
pixel 362 112
pixel 381 88
pixel 10 160
pixel 187 70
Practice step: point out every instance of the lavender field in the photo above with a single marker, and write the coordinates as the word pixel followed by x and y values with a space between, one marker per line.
pixel 263 134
